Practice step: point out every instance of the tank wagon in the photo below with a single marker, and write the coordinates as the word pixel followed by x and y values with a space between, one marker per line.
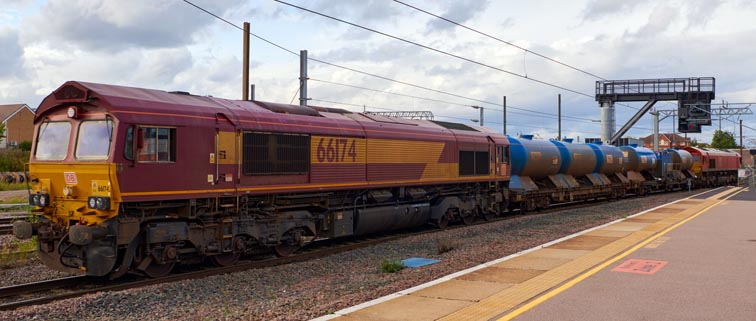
pixel 545 172
pixel 130 180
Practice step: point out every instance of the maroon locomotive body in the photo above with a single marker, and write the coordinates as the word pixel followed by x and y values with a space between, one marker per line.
pixel 174 177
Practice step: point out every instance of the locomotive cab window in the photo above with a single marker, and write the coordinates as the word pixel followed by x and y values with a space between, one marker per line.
pixel 502 154
pixel 473 163
pixel 93 142
pixel 156 144
pixel 52 141
pixel 275 154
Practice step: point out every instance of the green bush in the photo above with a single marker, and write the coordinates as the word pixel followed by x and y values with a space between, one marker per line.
pixel 25 146
pixel 391 266
pixel 13 160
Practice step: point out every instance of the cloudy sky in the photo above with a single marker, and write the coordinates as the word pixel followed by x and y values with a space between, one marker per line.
pixel 171 45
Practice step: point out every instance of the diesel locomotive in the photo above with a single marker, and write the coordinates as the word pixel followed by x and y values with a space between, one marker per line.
pixel 131 180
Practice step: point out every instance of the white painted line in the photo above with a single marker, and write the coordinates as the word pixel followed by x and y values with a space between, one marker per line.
pixel 484 265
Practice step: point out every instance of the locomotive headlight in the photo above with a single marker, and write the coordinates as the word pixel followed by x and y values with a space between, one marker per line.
pixel 72 112
pixel 99 203
pixel 41 200
pixel 44 200
pixel 92 202
pixel 33 199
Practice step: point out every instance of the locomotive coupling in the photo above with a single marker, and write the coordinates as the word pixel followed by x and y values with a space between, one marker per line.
pixel 84 235
pixel 23 230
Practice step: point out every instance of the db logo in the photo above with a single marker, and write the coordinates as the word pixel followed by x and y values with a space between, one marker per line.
pixel 70 178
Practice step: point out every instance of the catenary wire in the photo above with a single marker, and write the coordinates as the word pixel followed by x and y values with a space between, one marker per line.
pixel 436 50
pixel 360 71
pixel 501 40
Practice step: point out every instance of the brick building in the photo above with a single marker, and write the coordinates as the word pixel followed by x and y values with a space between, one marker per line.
pixel 666 140
pixel 19 124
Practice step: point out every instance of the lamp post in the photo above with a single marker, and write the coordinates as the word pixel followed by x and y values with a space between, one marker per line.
pixel 480 120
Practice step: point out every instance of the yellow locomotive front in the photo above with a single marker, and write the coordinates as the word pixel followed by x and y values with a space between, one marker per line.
pixel 74 190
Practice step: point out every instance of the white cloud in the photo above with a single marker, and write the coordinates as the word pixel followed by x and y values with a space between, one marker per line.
pixel 11 54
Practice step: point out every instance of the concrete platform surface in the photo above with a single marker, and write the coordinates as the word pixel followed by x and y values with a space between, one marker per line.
pixel 710 274
pixel 692 252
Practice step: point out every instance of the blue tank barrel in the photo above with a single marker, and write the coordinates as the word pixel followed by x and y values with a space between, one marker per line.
pixel 534 158
pixel 582 159
pixel 613 159
pixel 639 159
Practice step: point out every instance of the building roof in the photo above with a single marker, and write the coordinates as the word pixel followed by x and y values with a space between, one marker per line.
pixel 7 111
pixel 669 137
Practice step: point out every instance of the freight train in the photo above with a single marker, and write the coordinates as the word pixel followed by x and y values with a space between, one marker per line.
pixel 129 180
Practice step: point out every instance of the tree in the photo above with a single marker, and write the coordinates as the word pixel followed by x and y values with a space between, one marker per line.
pixel 2 132
pixel 723 139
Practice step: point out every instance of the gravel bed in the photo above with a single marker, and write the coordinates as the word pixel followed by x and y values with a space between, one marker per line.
pixel 305 290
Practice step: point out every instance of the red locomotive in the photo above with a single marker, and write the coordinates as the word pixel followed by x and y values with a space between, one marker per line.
pixel 127 179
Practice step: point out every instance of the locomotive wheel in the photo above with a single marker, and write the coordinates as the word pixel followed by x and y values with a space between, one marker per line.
pixel 285 249
pixel 486 215
pixel 155 270
pixel 225 259
pixel 443 221
pixel 469 218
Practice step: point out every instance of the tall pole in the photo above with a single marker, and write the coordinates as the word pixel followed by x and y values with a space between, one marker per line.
pixel 245 64
pixel 741 141
pixel 504 104
pixel 559 118
pixel 481 116
pixel 656 130
pixel 303 77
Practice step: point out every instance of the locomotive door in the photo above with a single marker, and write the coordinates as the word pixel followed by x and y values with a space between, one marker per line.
pixel 224 158
pixel 502 160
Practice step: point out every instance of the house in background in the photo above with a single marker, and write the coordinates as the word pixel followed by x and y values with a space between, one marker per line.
pixel 666 140
pixel 19 124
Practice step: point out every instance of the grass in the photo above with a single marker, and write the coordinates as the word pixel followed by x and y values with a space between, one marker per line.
pixel 14 200
pixel 391 266
pixel 17 252
pixel 12 186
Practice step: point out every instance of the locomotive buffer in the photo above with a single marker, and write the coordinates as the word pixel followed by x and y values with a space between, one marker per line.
pixel 694 96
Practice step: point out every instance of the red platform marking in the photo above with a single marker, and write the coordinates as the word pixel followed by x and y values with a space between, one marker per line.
pixel 640 266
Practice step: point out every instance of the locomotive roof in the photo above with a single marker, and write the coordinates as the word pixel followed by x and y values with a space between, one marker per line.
pixel 133 104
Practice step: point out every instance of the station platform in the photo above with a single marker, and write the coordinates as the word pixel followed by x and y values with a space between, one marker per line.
pixel 692 259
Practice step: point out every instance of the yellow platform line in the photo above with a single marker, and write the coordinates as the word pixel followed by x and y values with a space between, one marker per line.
pixel 573 282
pixel 514 296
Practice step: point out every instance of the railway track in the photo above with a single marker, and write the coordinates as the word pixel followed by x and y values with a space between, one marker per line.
pixel 10 213
pixel 17 296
